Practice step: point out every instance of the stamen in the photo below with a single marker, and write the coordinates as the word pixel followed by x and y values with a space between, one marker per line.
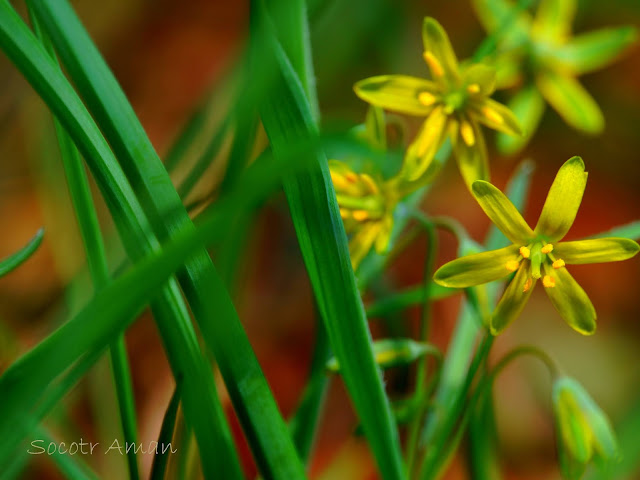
pixel 466 130
pixel 525 252
pixel 473 88
pixel 512 265
pixel 548 248
pixel 344 213
pixel 339 181
pixel 492 115
pixel 434 64
pixel 527 285
pixel 558 264
pixel 360 215
pixel 427 99
pixel 373 188
pixel 548 281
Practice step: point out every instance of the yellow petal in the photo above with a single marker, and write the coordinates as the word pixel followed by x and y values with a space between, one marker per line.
pixel 399 93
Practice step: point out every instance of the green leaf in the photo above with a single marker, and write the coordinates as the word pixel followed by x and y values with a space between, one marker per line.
pixel 399 93
pixel 591 51
pixel 528 106
pixel 408 298
pixel 15 260
pixel 502 213
pixel 314 210
pixel 394 352
pixel 630 231
pixel 574 104
pixel 596 250
pixel 571 301
pixel 212 306
pixel 476 269
pixel 563 200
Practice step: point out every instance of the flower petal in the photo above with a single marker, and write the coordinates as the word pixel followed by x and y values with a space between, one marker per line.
pixel 476 269
pixel 382 240
pixel 420 153
pixel 571 101
pixel 470 151
pixel 563 200
pixel 512 302
pixel 502 15
pixel 480 79
pixel 528 107
pixel 502 212
pixel 571 301
pixel 399 93
pixel 596 250
pixel 375 128
pixel 497 116
pixel 591 51
pixel 554 18
pixel 361 242
pixel 438 52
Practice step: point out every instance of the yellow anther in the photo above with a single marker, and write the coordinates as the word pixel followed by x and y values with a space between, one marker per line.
pixel 466 130
pixel 525 252
pixel 548 248
pixel 339 181
pixel 373 188
pixel 527 285
pixel 344 213
pixel 351 177
pixel 548 281
pixel 492 115
pixel 473 88
pixel 427 99
pixel 558 263
pixel 360 215
pixel 512 265
pixel 434 64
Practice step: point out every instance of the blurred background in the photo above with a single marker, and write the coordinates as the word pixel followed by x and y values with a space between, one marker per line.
pixel 169 56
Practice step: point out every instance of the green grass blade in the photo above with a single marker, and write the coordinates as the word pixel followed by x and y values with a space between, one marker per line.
pixel 67 464
pixel 166 435
pixel 15 260
pixel 630 230
pixel 256 408
pixel 287 118
pixel 202 406
pixel 408 298
pixel 87 216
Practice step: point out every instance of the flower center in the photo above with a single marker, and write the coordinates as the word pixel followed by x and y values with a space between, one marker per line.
pixel 536 255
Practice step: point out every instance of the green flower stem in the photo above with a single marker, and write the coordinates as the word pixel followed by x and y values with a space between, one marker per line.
pixel 423 335
pixel 87 216
pixel 437 440
pixel 159 465
pixel 18 258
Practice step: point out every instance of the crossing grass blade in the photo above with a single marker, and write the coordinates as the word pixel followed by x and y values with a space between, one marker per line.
pixel 202 406
pixel 212 306
pixel 287 118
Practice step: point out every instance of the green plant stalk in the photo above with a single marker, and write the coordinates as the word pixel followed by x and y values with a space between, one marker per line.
pixel 423 335
pixel 219 323
pixel 71 468
pixel 159 465
pixel 172 316
pixel 82 201
pixel 323 243
pixel 255 406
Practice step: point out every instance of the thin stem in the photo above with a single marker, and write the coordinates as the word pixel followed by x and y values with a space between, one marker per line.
pixel 423 334
pixel 87 217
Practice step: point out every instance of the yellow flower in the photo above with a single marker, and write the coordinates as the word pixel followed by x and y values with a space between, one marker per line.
pixel 454 102
pixel 537 253
pixel 366 207
pixel 542 50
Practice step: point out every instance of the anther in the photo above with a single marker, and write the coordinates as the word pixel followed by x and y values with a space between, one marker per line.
pixel 373 188
pixel 548 248
pixel 427 99
pixel 512 265
pixel 473 88
pixel 527 285
pixel 525 252
pixel 360 215
pixel 352 177
pixel 339 181
pixel 492 115
pixel 344 213
pixel 434 64
pixel 558 264
pixel 466 130
pixel 548 281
